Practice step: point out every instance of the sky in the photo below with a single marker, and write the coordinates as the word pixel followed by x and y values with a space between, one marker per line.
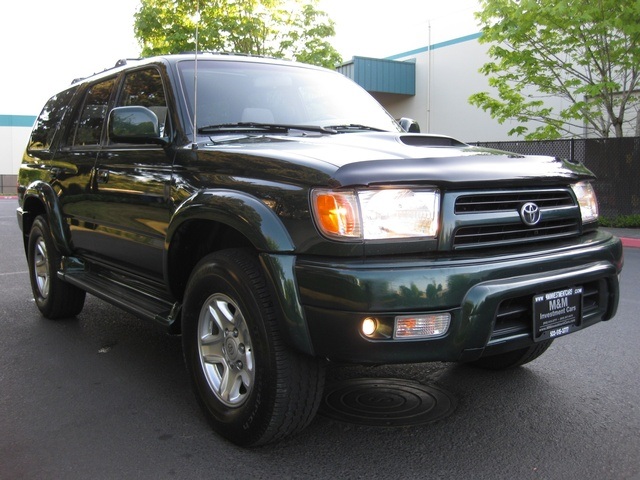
pixel 381 28
pixel 45 44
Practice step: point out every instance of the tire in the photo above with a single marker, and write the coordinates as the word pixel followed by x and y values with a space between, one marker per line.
pixel 516 358
pixel 252 388
pixel 54 298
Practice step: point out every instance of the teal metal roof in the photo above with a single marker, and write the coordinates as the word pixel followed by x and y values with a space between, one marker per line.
pixel 436 46
pixel 382 75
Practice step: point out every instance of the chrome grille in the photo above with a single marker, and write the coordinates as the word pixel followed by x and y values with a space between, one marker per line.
pixel 492 219
pixel 505 201
pixel 498 235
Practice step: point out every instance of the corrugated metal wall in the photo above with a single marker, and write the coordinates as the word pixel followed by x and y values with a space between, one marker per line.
pixel 381 75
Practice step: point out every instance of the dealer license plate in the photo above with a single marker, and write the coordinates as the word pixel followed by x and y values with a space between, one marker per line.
pixel 556 313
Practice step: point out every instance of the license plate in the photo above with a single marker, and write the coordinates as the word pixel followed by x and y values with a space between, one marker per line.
pixel 556 313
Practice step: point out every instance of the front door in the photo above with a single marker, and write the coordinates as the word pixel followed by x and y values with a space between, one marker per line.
pixel 131 198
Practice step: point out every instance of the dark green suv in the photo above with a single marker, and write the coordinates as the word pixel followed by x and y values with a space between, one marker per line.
pixel 278 218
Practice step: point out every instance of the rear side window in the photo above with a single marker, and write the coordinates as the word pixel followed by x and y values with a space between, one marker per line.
pixel 89 124
pixel 49 120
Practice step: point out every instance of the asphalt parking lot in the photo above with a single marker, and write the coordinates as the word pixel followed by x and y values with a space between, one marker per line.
pixel 105 396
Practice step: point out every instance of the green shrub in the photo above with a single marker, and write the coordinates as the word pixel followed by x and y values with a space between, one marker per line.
pixel 621 221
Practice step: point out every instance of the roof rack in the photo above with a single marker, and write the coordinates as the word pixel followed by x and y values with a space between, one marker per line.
pixel 235 54
pixel 213 52
pixel 124 61
pixel 120 63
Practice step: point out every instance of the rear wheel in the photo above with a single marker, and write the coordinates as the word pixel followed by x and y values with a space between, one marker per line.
pixel 55 298
pixel 251 386
pixel 504 361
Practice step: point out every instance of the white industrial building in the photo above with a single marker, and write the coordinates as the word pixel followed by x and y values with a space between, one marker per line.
pixel 14 134
pixel 432 85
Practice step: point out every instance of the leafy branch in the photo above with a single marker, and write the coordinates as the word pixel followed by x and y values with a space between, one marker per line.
pixel 293 29
pixel 561 67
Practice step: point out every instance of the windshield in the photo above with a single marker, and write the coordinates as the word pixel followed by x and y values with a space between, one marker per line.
pixel 231 92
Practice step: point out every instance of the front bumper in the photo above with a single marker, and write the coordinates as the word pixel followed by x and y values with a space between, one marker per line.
pixel 489 299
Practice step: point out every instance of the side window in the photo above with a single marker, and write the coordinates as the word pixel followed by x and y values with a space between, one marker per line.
pixel 49 120
pixel 92 117
pixel 144 88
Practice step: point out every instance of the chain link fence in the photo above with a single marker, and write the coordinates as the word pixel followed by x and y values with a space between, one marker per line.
pixel 8 184
pixel 614 161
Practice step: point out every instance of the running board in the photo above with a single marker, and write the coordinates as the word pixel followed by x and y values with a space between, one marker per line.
pixel 144 303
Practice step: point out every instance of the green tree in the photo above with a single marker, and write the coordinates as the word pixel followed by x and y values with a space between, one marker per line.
pixel 584 52
pixel 293 29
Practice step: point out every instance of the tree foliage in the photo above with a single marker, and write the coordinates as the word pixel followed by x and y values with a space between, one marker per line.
pixel 586 53
pixel 293 29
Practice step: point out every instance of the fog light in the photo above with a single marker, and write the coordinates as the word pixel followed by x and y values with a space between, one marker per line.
pixel 369 326
pixel 422 326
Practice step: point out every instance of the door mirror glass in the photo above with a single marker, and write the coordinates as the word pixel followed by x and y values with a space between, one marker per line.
pixel 134 124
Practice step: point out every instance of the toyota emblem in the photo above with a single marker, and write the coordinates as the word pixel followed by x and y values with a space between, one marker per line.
pixel 530 214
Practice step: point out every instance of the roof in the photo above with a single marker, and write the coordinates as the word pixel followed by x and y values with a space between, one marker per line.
pixel 123 64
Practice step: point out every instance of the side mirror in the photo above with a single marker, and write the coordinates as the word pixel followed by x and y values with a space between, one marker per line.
pixel 134 125
pixel 409 125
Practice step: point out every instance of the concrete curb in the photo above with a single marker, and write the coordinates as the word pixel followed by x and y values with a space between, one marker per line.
pixel 630 242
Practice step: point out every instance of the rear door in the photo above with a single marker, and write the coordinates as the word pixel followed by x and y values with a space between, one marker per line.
pixel 73 164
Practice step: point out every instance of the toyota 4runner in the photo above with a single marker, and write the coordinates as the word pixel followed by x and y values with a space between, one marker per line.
pixel 278 218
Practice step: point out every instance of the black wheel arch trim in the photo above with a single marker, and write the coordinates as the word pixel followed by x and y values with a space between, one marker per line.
pixel 243 212
pixel 43 193
pixel 269 237
pixel 280 270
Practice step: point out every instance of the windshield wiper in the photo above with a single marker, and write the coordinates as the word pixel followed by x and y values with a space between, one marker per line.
pixel 355 127
pixel 262 127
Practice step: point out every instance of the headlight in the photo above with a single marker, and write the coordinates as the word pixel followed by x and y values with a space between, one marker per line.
pixel 377 213
pixel 587 200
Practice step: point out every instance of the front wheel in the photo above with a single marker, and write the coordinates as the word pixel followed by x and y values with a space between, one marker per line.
pixel 516 358
pixel 251 386
pixel 54 297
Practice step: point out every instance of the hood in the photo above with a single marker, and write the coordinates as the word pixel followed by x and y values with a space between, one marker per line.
pixel 372 158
